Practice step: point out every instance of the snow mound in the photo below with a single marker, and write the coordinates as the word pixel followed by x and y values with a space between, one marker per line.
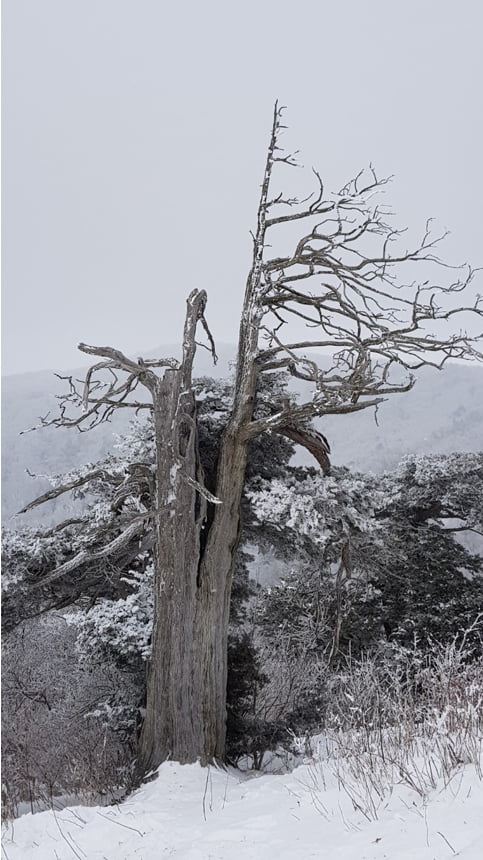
pixel 198 813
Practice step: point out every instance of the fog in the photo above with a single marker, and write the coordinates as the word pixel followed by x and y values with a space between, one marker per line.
pixel 134 139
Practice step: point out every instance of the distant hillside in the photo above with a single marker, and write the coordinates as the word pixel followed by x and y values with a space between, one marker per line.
pixel 443 413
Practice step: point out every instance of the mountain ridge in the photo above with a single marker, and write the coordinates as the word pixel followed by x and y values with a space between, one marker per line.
pixel 442 413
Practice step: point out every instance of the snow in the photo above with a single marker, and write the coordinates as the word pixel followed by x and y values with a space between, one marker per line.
pixel 173 473
pixel 194 813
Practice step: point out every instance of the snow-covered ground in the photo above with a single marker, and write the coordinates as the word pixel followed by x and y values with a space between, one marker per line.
pixel 209 814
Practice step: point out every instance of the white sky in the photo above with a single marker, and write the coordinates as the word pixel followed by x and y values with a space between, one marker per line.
pixel 134 138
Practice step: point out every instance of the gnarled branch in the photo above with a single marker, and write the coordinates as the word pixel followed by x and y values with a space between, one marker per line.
pixel 71 485
pixel 110 550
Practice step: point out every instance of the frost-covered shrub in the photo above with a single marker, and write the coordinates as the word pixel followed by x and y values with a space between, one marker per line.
pixel 406 715
pixel 314 511
pixel 52 742
pixel 119 629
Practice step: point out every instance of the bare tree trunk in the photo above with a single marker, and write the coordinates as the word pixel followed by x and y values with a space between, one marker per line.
pixel 186 690
pixel 216 577
pixel 173 726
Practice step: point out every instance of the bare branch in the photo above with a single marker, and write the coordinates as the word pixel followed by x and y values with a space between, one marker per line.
pixel 212 347
pixel 343 279
pixel 70 485
pixel 118 359
pixel 310 439
pixel 202 491
pixel 84 557
pixel 302 412
pixel 73 521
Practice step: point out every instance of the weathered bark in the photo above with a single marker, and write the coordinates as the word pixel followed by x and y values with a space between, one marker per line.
pixel 216 577
pixel 186 690
pixel 173 726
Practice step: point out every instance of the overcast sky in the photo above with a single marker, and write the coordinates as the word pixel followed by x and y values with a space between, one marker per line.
pixel 134 139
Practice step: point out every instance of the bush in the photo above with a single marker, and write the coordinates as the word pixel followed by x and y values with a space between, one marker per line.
pixel 53 743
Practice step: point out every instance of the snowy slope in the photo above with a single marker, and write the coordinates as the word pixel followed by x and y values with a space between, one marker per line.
pixel 208 814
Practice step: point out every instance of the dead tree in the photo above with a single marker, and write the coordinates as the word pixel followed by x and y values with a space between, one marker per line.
pixel 343 283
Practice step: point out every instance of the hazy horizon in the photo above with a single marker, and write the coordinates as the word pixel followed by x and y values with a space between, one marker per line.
pixel 134 139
